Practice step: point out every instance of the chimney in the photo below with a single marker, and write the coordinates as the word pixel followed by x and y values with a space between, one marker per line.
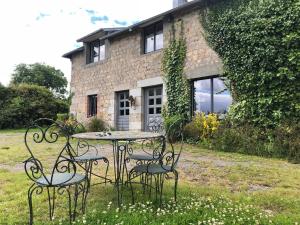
pixel 177 3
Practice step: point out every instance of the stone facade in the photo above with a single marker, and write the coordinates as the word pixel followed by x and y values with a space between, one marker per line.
pixel 127 68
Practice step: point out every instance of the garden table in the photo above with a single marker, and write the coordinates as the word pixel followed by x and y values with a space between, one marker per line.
pixel 120 141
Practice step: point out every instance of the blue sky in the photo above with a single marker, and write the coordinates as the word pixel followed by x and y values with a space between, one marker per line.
pixel 43 30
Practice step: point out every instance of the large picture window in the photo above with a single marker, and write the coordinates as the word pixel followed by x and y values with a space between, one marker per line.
pixel 153 37
pixel 211 95
pixel 92 105
pixel 96 51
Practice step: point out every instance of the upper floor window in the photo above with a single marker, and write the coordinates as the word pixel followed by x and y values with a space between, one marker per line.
pixel 211 96
pixel 153 37
pixel 96 51
pixel 92 105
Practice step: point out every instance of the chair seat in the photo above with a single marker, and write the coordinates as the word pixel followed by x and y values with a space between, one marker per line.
pixel 61 179
pixel 152 168
pixel 142 157
pixel 88 157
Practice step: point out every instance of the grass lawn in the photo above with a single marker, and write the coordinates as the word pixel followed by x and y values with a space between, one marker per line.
pixel 214 188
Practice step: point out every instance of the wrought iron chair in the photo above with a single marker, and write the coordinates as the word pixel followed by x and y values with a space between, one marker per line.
pixel 87 156
pixel 51 168
pixel 150 149
pixel 161 168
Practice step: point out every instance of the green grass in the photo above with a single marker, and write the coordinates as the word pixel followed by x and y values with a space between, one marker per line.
pixel 214 190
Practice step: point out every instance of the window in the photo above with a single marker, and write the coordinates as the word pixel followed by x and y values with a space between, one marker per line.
pixel 211 95
pixel 92 105
pixel 96 51
pixel 153 38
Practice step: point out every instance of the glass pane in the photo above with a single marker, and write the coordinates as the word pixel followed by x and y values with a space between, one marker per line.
pixel 127 111
pixel 151 110
pixel 151 101
pixel 102 52
pixel 121 96
pixel 122 112
pixel 158 101
pixel 158 110
pixel 222 97
pixel 151 92
pixel 127 103
pixel 126 95
pixel 159 41
pixel 149 43
pixel 121 104
pixel 202 96
pixel 158 91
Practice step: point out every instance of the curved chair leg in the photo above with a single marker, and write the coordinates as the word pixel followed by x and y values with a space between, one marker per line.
pixel 105 160
pixel 161 186
pixel 176 183
pixel 51 202
pixel 38 190
pixel 131 187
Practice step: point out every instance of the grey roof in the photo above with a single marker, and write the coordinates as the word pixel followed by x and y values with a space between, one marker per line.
pixel 99 31
pixel 69 54
pixel 113 32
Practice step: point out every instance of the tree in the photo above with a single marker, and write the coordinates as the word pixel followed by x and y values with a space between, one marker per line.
pixel 41 75
pixel 19 105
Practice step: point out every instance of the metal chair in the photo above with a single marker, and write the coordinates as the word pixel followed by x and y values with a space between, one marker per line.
pixel 87 155
pixel 51 168
pixel 166 164
pixel 150 149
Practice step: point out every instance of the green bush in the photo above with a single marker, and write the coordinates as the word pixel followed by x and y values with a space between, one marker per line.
pixel 96 124
pixel 191 132
pixel 25 103
pixel 287 138
pixel 62 117
pixel 70 124
pixel 283 142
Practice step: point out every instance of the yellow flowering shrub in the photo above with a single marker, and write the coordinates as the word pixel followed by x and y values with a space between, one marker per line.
pixel 202 126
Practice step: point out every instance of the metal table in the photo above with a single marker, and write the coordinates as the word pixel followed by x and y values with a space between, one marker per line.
pixel 120 140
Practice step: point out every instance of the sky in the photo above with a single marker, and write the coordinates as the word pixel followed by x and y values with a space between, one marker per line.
pixel 43 30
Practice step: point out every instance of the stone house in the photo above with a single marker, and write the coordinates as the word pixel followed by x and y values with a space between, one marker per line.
pixel 117 76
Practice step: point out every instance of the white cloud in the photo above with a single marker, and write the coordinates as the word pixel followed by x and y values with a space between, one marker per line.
pixel 43 30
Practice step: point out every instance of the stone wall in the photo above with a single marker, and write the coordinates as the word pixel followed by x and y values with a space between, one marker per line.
pixel 126 68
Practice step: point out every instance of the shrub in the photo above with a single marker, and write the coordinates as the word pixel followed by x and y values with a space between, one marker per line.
pixel 62 116
pixel 96 124
pixel 202 127
pixel 25 103
pixel 283 142
pixel 287 139
pixel 70 124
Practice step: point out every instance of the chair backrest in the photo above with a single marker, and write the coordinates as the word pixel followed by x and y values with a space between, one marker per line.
pixel 155 125
pixel 48 145
pixel 174 136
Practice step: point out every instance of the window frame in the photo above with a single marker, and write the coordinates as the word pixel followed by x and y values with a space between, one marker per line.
pixel 98 44
pixel 211 78
pixel 92 101
pixel 155 31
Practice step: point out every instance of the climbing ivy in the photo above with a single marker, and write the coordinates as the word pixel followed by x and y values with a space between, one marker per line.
pixel 259 43
pixel 177 86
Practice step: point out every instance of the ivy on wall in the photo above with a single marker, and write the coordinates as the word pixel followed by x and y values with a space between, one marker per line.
pixel 259 43
pixel 177 86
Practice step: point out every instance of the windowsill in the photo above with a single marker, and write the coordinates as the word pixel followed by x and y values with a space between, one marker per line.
pixel 92 64
pixel 89 116
pixel 153 52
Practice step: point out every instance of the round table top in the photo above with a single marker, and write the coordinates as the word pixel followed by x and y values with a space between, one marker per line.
pixel 117 135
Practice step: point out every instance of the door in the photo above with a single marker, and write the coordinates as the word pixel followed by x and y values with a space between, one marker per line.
pixel 123 110
pixel 153 107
